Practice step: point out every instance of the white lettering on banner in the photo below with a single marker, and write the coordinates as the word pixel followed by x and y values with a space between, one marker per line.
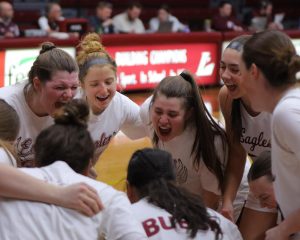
pixel 155 77
pixel 133 58
pixel 205 68
pixel 129 79
pixel 168 56
pixel 152 76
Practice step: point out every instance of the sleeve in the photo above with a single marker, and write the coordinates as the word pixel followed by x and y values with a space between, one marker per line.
pixel 117 24
pixel 133 126
pixel 7 158
pixel 286 126
pixel 16 30
pixel 141 28
pixel 153 25
pixel 119 221
pixel 43 23
pixel 177 26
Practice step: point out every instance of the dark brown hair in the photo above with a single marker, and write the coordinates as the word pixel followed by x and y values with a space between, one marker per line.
pixel 261 167
pixel 50 60
pixel 68 139
pixel 275 55
pixel 185 87
pixel 237 44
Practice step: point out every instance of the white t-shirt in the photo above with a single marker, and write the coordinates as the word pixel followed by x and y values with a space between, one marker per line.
pixel 286 152
pixel 180 148
pixel 123 24
pixel 157 225
pixel 7 158
pixel 256 132
pixel 30 124
pixel 121 114
pixel 32 220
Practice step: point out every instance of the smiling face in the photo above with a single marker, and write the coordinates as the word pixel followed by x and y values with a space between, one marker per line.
pixel 230 73
pixel 256 87
pixel 262 189
pixel 168 117
pixel 56 92
pixel 100 86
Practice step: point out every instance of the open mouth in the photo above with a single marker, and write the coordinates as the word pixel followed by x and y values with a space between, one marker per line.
pixel 164 130
pixel 59 104
pixel 102 99
pixel 231 87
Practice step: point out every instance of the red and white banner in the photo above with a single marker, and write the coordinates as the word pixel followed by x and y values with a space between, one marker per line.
pixel 142 67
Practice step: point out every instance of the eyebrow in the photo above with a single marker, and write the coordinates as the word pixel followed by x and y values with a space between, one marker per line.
pixel 230 64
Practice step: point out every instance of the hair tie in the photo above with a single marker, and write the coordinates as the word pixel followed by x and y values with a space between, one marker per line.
pixel 51 47
pixel 185 76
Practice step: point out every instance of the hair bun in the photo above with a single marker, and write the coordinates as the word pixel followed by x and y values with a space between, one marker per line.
pixel 75 112
pixel 47 46
pixel 91 43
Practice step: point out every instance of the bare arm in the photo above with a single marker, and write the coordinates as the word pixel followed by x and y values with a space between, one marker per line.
pixel 289 226
pixel 16 184
pixel 210 199
pixel 236 159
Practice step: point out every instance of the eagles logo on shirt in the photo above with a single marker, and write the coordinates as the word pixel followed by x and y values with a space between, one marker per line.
pixel 181 171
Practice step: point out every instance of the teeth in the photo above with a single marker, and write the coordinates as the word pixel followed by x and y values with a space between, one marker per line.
pixel 102 98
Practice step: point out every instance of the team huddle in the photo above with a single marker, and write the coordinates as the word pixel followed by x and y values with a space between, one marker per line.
pixel 195 183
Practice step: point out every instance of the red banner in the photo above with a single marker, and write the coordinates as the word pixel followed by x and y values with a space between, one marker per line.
pixel 142 67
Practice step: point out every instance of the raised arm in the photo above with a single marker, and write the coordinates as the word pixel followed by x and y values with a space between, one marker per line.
pixel 133 126
pixel 236 160
pixel 16 184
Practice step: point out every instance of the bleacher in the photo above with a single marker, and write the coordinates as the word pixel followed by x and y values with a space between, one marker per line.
pixel 191 12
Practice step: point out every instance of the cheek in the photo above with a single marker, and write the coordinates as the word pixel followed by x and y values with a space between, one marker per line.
pixel 179 124
pixel 154 118
pixel 112 88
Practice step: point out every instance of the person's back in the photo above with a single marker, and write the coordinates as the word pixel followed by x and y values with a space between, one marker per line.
pixel 165 210
pixel 68 140
pixel 33 220
pixel 157 224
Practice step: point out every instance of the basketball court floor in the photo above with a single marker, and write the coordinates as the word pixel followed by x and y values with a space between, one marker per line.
pixel 112 165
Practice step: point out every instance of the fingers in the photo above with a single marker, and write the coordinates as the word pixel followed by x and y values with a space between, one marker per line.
pixel 228 214
pixel 89 200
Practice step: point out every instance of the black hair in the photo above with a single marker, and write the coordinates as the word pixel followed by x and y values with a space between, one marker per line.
pixel 104 4
pixel 135 4
pixel 263 4
pixel 222 3
pixel 261 167
pixel 152 173
pixel 68 139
